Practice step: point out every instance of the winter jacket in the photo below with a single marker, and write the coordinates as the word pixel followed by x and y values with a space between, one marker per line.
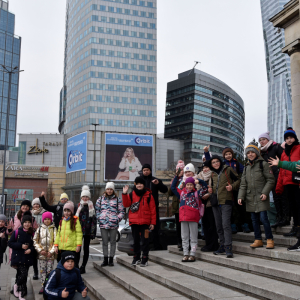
pixel 44 241
pixel 285 176
pixel 273 151
pixel 254 183
pixel 109 211
pixel 176 200
pixel 69 279
pixel 3 243
pixel 189 201
pixel 146 215
pixel 18 256
pixel 289 165
pixel 88 224
pixel 38 216
pixel 227 174
pixel 208 182
pixel 66 239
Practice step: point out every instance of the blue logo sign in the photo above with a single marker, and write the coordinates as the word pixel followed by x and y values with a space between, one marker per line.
pixel 76 153
pixel 129 139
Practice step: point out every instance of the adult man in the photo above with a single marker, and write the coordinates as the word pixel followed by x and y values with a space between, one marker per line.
pixel 155 185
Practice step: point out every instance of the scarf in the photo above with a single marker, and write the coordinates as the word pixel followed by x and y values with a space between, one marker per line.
pixel 288 148
pixel 39 211
pixel 139 192
pixel 67 219
pixel 206 175
pixel 91 208
pixel 265 147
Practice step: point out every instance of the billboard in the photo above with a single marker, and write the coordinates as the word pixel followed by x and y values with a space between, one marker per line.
pixel 125 155
pixel 76 153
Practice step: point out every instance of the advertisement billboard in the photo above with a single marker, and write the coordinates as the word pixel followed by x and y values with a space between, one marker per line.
pixel 125 155
pixel 76 153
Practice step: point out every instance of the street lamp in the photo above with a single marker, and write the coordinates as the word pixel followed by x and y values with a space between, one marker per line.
pixel 94 158
pixel 12 71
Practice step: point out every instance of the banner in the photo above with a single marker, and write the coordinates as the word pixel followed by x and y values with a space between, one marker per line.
pixel 76 153
pixel 125 154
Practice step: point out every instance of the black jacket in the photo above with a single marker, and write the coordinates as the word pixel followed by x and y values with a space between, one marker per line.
pixel 18 256
pixel 3 244
pixel 273 151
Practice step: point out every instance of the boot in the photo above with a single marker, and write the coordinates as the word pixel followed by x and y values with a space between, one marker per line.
pixel 228 250
pixel 111 262
pixel 291 233
pixel 16 293
pixel 82 270
pixel 284 222
pixel 257 244
pixel 246 228
pixel 136 260
pixel 144 262
pixel 105 262
pixel 295 248
pixel 220 251
pixel 35 276
pixel 270 244
pixel 21 298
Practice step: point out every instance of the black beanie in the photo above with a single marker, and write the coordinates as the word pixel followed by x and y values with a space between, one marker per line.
pixel 146 166
pixel 26 217
pixel 140 180
pixel 66 256
pixel 206 164
pixel 26 202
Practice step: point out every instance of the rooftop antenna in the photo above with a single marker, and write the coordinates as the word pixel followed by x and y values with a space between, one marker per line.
pixel 196 63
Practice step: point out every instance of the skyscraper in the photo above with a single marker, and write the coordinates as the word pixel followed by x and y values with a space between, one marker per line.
pixel 110 66
pixel 278 71
pixel 10 46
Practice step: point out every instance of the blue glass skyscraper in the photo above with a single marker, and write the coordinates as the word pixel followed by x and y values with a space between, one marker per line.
pixel 278 71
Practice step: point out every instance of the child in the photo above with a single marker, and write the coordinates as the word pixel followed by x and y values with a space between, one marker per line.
pixel 110 211
pixel 69 233
pixel 87 217
pixel 189 213
pixel 257 182
pixel 37 211
pixel 44 245
pixel 21 242
pixel 70 280
pixel 142 213
pixel 189 171
pixel 4 231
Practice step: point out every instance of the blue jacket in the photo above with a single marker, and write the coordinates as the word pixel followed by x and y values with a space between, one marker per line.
pixel 69 279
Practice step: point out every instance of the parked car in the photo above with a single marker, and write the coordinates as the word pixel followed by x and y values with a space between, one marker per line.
pixel 122 225
pixel 167 235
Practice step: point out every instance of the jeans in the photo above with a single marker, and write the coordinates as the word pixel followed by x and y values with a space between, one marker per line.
pixel 113 237
pixel 263 216
pixel 138 234
pixel 189 232
pixel 86 249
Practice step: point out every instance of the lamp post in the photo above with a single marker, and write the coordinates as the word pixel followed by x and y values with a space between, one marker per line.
pixel 94 158
pixel 12 71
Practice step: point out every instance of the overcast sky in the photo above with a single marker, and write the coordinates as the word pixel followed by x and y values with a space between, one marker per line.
pixel 226 36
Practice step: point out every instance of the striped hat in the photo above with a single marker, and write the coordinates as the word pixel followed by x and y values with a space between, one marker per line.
pixel 252 147
pixel 290 132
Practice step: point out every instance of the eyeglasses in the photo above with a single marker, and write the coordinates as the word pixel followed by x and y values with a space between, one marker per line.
pixel 215 163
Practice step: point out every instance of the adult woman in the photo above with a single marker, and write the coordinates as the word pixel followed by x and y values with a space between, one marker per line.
pixel 131 165
pixel 37 211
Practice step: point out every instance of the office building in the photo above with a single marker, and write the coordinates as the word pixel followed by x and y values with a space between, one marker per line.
pixel 202 110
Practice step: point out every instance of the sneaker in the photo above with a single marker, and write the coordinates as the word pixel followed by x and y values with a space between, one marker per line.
pixel 228 250
pixel 82 270
pixel 220 251
pixel 294 248
pixel 293 232
pixel 233 229
pixel 246 228
pixel 136 261
pixel 41 291
pixel 144 262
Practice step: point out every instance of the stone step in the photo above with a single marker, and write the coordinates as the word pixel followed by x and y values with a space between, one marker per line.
pixel 274 269
pixel 138 285
pixel 244 281
pixel 191 286
pixel 278 230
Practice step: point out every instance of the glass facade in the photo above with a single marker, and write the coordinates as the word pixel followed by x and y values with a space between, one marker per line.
pixel 10 46
pixel 278 71
pixel 110 66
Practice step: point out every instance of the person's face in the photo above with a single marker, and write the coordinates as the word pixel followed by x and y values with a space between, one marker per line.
pixel 85 198
pixel 36 206
pixel 146 172
pixel 216 164
pixel 128 152
pixel 289 140
pixel 63 200
pixel 67 213
pixel 24 208
pixel 2 223
pixel 188 174
pixel 263 141
pixel 251 155
pixel 26 225
pixel 139 186
pixel 189 186
pixel 228 156
pixel 109 192
pixel 69 264
pixel 47 221
pixel 205 169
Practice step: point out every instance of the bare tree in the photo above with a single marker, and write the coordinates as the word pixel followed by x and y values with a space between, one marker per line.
pixel 50 194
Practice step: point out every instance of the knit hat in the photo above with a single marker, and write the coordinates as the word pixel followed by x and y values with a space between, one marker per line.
pixel 139 180
pixel 146 166
pixel 85 191
pixel 67 255
pixel 110 185
pixel 189 167
pixel 47 215
pixel 180 164
pixel 252 147
pixel 26 202
pixel 26 217
pixel 227 149
pixel 190 180
pixel 265 135
pixel 206 164
pixel 36 201
pixel 64 195
pixel 290 132
pixel 69 205
pixel 2 218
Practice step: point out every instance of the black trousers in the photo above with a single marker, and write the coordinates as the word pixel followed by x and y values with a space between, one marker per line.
pixel 35 263
pixel 210 230
pixel 156 241
pixel 77 257
pixel 138 234
pixel 178 229
pixel 292 193
pixel 21 279
pixel 281 204
pixel 86 249
pixel 239 214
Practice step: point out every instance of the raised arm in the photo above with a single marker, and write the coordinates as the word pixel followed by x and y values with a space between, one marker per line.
pixel 45 205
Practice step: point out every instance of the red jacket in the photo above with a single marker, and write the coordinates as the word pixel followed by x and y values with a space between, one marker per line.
pixel 285 176
pixel 146 213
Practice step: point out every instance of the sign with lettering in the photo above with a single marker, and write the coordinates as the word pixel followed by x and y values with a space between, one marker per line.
pixel 36 150
pixel 26 171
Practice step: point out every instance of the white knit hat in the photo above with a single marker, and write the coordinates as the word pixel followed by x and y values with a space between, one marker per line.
pixel 110 185
pixel 189 167
pixel 85 191
pixel 36 201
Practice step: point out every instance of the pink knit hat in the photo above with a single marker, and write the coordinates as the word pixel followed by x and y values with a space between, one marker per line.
pixel 265 135
pixel 180 164
pixel 46 215
pixel 69 205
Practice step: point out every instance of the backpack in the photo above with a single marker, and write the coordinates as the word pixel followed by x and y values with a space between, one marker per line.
pixel 57 277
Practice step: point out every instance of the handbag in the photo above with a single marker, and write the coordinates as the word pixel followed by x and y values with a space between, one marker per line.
pixel 295 175
pixel 134 207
